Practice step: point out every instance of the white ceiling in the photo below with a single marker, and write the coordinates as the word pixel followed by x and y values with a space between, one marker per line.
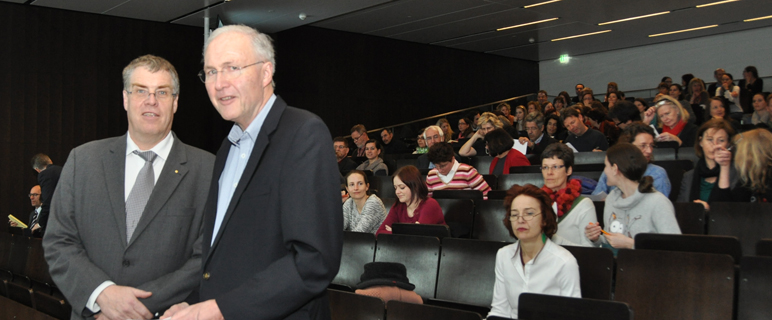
pixel 462 24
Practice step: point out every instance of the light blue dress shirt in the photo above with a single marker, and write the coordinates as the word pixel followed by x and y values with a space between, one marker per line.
pixel 242 143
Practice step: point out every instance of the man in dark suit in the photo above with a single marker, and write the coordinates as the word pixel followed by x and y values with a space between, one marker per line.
pixel 537 141
pixel 124 238
pixel 272 235
pixel 341 154
pixel 48 177
pixel 33 227
pixel 391 145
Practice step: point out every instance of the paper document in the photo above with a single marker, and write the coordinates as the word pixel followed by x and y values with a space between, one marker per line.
pixel 14 219
pixel 523 148
pixel 572 147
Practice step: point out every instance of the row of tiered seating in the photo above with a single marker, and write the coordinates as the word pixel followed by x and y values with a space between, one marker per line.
pixel 26 281
pixel 657 284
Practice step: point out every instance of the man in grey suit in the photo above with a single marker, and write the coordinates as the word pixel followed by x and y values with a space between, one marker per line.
pixel 125 232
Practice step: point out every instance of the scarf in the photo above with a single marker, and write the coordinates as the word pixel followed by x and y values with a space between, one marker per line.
pixel 701 172
pixel 565 197
pixel 674 130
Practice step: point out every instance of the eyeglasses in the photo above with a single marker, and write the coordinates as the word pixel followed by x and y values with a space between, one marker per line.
pixel 355 138
pixel 546 168
pixel 529 129
pixel 645 146
pixel 527 216
pixel 229 72
pixel 33 194
pixel 160 95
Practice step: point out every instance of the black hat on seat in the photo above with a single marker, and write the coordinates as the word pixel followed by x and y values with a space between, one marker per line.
pixel 385 274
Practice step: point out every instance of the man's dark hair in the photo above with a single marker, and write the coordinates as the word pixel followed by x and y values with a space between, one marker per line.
pixel 597 115
pixel 440 152
pixel 633 130
pixel 543 91
pixel 40 161
pixel 390 130
pixel 624 111
pixel 560 151
pixel 499 141
pixel 572 111
pixel 340 139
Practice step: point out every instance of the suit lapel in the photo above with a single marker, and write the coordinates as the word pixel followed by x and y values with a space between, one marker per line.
pixel 262 142
pixel 114 169
pixel 173 172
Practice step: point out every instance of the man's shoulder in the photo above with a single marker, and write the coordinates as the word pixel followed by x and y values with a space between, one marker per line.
pixel 98 145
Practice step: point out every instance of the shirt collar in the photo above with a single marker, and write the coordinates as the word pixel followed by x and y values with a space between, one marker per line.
pixel 161 149
pixel 452 171
pixel 253 129
pixel 537 141
pixel 37 210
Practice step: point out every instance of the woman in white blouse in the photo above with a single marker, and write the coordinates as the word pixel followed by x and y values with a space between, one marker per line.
pixel 534 263
pixel 732 93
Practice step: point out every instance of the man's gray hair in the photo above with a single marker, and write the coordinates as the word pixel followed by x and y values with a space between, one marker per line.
pixel 261 42
pixel 442 134
pixel 153 64
pixel 40 161
pixel 536 117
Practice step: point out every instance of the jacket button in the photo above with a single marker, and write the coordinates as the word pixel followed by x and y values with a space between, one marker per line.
pixel 126 263
pixel 206 275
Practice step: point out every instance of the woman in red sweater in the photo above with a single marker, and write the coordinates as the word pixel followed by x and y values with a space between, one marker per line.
pixel 414 205
pixel 499 144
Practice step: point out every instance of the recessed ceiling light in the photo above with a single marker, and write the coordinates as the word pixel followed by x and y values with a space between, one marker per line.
pixel 633 18
pixel 540 3
pixel 684 30
pixel 759 18
pixel 581 35
pixel 715 3
pixel 526 24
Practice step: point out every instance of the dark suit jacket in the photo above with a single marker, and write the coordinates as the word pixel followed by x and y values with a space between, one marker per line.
pixel 47 179
pixel 538 148
pixel 279 244
pixel 85 244
pixel 27 231
pixel 347 164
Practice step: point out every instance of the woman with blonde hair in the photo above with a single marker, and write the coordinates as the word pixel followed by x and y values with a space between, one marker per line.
pixel 672 121
pixel 447 131
pixel 506 111
pixel 520 114
pixel 753 161
pixel 476 145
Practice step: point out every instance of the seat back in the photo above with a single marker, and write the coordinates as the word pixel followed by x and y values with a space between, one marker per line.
pixel 492 181
pixel 419 254
pixel 439 231
pixel 384 185
pixel 599 207
pixel 406 162
pixel 18 257
pixel 764 248
pixel 506 181
pixel 589 157
pixel 352 306
pixel 358 250
pixel 690 243
pixel 664 154
pixel 533 306
pixel 458 194
pixel 749 222
pixel 388 203
pixel 459 215
pixel 687 153
pixel 753 293
pixel 675 285
pixel 466 271
pixel 481 163
pixel 408 311
pixel 675 173
pixel 525 169
pixel 691 217
pixel 596 271
pixel 6 242
pixel 488 223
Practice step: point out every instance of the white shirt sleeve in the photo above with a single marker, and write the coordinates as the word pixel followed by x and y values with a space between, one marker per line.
pixel 91 303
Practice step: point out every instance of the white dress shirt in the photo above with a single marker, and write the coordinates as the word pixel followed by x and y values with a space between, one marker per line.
pixel 553 271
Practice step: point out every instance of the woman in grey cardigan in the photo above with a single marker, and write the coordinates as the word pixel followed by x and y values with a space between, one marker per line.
pixel 374 161
pixel 361 212
pixel 634 206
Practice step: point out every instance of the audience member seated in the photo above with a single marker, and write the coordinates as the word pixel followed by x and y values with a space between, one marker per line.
pixel 663 88
pixel 447 131
pixel 719 110
pixel 624 113
pixel 753 161
pixel 597 118
pixel 449 174
pixel 672 121
pixel 558 103
pixel 717 74
pixel 506 111
pixel 555 128
pixel 520 113
pixel 582 138
pixel 732 94
pixel 541 98
pixel 667 80
pixel 579 89
pixel 587 97
pixel 33 227
pixel 500 144
pixel 432 136
pixel 341 153
pixel 534 106
pixel 464 129
pixel 359 135
pixel 574 211
pixel 537 140
pixel 506 126
pixel 391 145
pixel 698 98
pixel 414 205
pixel 361 212
pixel 421 147
pixel 476 145
pixel 611 99
pixel 750 85
pixel 677 93
pixel 533 263
pixel 698 183
pixel 387 281
pixel 642 106
pixel 760 109
pixel 474 115
pixel 641 136
pixel 374 161
pixel 686 78
pixel 634 207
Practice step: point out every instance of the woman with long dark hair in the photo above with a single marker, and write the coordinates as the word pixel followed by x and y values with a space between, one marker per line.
pixel 414 205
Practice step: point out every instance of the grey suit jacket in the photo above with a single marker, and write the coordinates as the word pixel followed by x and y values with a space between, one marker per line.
pixel 85 244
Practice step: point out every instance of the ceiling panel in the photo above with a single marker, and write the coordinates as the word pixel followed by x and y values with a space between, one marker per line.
pixel 92 6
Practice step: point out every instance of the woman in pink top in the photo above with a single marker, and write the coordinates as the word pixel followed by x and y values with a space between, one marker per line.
pixel 414 205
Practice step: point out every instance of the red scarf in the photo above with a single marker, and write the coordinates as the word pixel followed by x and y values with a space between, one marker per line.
pixel 565 197
pixel 674 130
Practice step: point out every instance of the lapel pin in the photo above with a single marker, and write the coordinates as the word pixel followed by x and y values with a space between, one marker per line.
pixel 176 171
